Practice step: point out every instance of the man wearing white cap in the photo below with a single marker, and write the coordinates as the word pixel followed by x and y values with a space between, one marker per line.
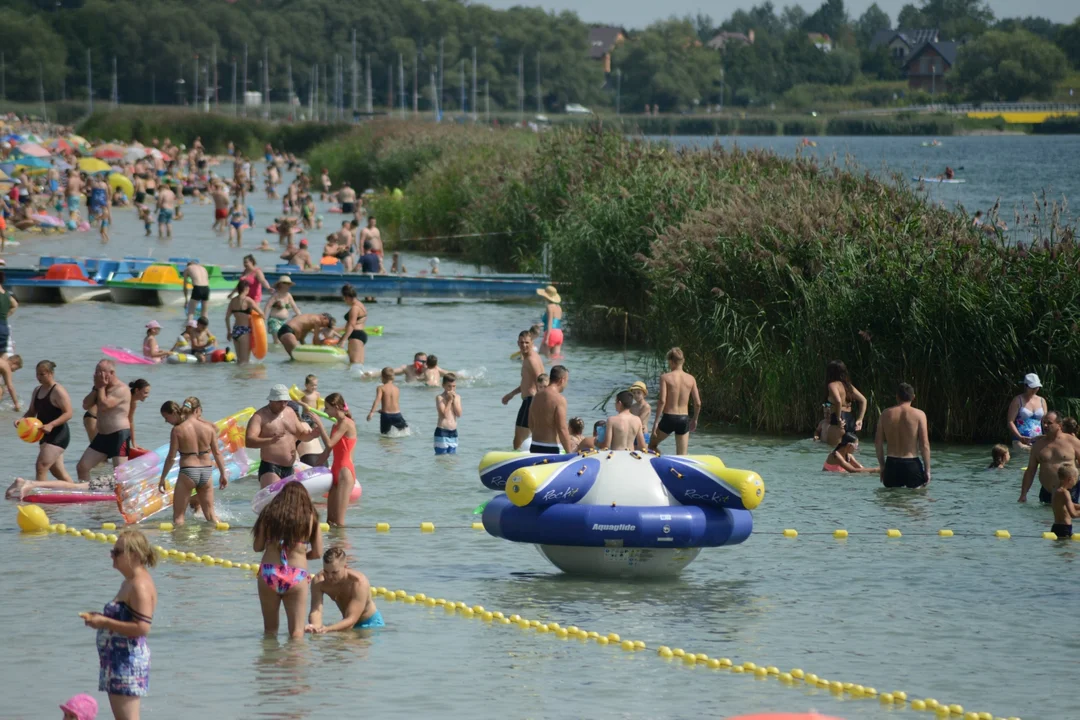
pixel 1026 411
pixel 274 430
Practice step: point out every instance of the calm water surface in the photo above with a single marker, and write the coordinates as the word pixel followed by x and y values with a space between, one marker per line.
pixel 971 620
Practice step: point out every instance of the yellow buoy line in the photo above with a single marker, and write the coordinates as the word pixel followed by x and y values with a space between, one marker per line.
pixel 796 677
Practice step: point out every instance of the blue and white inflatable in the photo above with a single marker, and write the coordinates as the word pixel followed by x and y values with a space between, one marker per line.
pixel 619 513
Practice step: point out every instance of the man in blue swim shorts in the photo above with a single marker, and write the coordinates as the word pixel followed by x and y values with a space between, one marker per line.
pixel 349 589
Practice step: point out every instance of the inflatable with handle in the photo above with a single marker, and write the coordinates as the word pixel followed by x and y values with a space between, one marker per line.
pixel 258 334
pixel 316 480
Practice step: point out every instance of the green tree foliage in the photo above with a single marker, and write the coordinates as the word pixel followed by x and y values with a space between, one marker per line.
pixel 33 54
pixel 1068 39
pixel 1043 27
pixel 955 19
pixel 1009 66
pixel 830 18
pixel 667 65
pixel 870 22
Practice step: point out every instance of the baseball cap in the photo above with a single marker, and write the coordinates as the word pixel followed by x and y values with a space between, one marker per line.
pixel 278 393
pixel 82 706
pixel 1031 380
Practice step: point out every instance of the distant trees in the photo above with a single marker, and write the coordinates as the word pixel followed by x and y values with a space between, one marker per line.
pixel 1008 66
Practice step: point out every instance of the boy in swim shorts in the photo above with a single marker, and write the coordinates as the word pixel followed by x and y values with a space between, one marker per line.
pixel 388 396
pixel 677 390
pixel 350 589
pixel 1062 503
pixel 448 408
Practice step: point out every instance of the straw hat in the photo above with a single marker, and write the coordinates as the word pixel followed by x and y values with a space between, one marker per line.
pixel 550 293
pixel 640 386
pixel 285 279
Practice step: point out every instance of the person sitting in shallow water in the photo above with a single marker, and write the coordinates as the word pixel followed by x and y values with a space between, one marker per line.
pixel 350 589
pixel 999 457
pixel 842 458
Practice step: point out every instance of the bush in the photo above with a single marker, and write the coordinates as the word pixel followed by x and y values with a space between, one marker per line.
pixel 891 125
pixel 758 126
pixel 801 126
pixel 1058 126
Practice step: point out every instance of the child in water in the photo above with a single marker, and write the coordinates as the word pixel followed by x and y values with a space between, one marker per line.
pixel 147 221
pixel 842 458
pixel 999 457
pixel 1064 507
pixel 624 431
pixel 80 707
pixel 448 407
pixel 542 381
pixel 388 395
pixel 599 428
pixel 150 347
pixel 577 432
pixel 433 374
pixel 823 426
pixel 311 396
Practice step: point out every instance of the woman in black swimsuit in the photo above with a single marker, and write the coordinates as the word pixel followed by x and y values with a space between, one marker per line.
pixel 240 308
pixel 354 336
pixel 50 404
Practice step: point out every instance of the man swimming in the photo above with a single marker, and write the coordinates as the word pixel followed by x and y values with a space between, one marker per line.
pixel 531 367
pixel 350 589
pixel 1049 452
pixel 547 415
pixel 415 371
pixel 677 388
pixel 902 429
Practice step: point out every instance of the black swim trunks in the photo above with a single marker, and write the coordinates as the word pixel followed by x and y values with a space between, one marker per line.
pixel 285 330
pixel 903 473
pixel 523 412
pixel 358 335
pixel 282 471
pixel 1063 531
pixel 112 445
pixel 59 436
pixel 200 292
pixel 391 420
pixel 674 424
pixel 1046 497
pixel 347 208
pixel 845 420
pixel 539 448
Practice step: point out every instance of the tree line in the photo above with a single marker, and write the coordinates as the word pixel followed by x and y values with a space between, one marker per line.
pixel 524 56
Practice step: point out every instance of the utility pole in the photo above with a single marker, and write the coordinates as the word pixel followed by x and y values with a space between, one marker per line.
pixel 3 77
pixel 463 87
pixel 401 82
pixel 475 117
pixel 487 102
pixel 213 60
pixel 355 72
pixel 368 106
pixel 618 90
pixel 115 89
pixel 266 81
pixel 539 97
pixel 234 87
pixel 311 93
pixel 195 88
pixel 41 92
pixel 434 93
pixel 521 88
pixel 153 89
pixel 243 93
pixel 288 65
pixel 89 82
pixel 390 89
pixel 315 95
pixel 415 84
pixel 441 96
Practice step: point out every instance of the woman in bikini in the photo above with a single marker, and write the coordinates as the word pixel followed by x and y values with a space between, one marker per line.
pixel 287 534
pixel 123 625
pixel 354 336
pixel 195 440
pixel 842 458
pixel 843 395
pixel 278 305
pixel 342 441
pixel 240 308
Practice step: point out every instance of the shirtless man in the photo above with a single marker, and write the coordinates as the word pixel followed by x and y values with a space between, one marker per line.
pixel 547 416
pixel 416 371
pixel 531 366
pixel 299 255
pixel 166 206
pixel 624 430
pixel 371 237
pixel 112 399
pixel 74 191
pixel 324 180
pixel 347 198
pixel 221 206
pixel 349 589
pixel 53 177
pixel 295 331
pixel 903 429
pixel 274 431
pixel 677 388
pixel 200 288
pixel 1049 452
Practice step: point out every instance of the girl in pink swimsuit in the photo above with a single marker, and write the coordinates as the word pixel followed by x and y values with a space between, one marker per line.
pixel 842 458
pixel 287 534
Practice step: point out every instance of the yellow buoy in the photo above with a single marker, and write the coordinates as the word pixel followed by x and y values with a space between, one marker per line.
pixel 478 526
pixel 323 526
pixel 225 526
pixel 165 526
pixel 839 534
pixel 1003 534
pixel 31 518
pixel 108 526
pixel 382 527
pixel 791 532
pixel 665 652
pixel 892 532
pixel 945 532
pixel 427 527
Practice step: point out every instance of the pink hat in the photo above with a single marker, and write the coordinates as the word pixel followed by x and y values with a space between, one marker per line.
pixel 82 706
pixel 192 323
pixel 153 325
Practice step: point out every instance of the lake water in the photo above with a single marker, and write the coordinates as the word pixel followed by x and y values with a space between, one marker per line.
pixel 970 619
pixel 1012 169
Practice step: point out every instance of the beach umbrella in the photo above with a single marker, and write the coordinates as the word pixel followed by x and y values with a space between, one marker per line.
pixel 109 152
pixel 29 162
pixel 59 145
pixel 34 150
pixel 135 152
pixel 79 142
pixel 31 137
pixel 93 165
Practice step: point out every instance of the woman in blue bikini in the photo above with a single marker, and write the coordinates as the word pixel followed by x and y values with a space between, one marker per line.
pixel 287 533
pixel 239 332
pixel 123 626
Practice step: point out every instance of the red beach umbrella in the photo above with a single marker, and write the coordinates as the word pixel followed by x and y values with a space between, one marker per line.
pixel 109 152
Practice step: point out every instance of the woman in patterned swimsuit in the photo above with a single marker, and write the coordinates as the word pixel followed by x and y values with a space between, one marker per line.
pixel 123 626
pixel 287 534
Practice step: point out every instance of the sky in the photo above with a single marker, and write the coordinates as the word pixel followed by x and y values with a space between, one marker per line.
pixel 639 13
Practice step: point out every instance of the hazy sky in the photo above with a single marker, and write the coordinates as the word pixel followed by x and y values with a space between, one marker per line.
pixel 639 13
